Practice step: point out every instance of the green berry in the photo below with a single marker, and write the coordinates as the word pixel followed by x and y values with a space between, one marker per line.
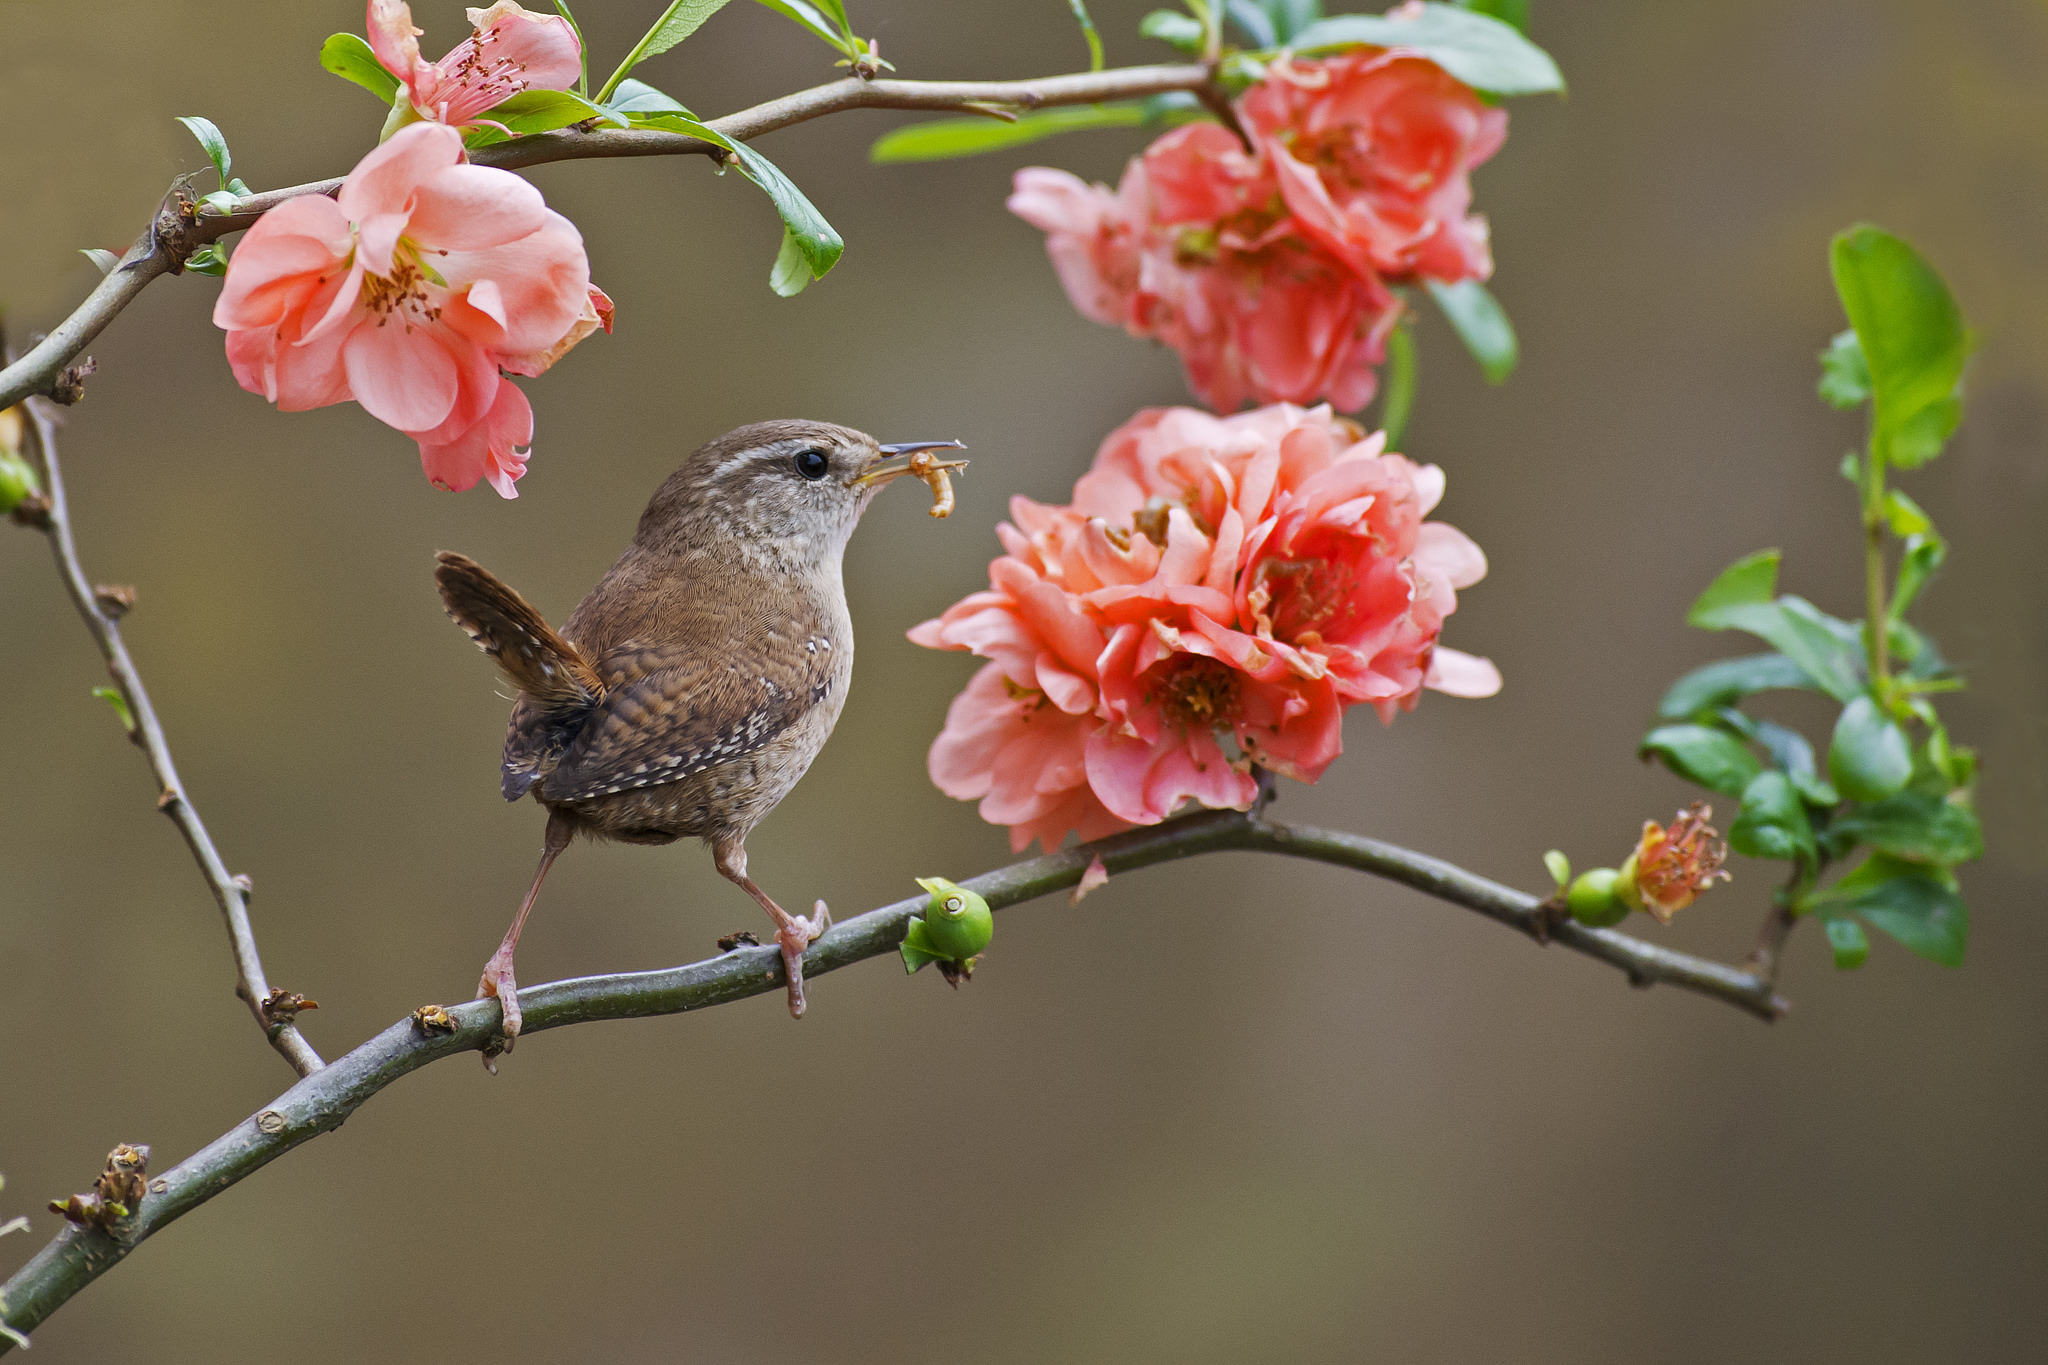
pixel 957 923
pixel 17 481
pixel 1593 900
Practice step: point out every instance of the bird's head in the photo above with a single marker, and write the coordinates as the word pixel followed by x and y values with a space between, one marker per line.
pixel 789 490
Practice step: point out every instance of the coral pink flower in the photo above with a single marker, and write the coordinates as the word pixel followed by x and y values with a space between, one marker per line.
pixel 1268 270
pixel 1670 867
pixel 512 49
pixel 409 293
pixel 1373 152
pixel 1240 579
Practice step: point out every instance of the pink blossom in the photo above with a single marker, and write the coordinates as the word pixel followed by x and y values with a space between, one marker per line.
pixel 512 49
pixel 409 292
pixel 1236 581
pixel 1373 153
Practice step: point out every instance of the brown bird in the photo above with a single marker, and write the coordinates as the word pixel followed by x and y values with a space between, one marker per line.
pixel 694 685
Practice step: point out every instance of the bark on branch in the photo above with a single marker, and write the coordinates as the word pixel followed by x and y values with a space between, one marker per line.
pixel 320 1102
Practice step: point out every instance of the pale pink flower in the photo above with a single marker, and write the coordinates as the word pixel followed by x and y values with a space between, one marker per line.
pixel 512 49
pixel 409 292
pixel 1217 581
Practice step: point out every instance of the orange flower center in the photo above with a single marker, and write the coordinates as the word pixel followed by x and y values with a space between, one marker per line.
pixel 404 290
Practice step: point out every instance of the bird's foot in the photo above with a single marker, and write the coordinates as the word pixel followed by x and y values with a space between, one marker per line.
pixel 794 937
pixel 498 981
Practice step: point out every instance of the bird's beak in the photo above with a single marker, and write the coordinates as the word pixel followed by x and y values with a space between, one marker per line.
pixel 888 469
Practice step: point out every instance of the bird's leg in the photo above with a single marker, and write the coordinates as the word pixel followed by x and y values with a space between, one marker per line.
pixel 498 979
pixel 793 932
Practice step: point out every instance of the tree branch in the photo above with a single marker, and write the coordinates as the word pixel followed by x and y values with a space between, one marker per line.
pixel 320 1102
pixel 231 893
pixel 180 229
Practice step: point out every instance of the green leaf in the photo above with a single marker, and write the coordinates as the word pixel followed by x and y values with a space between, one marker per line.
pixel 1080 10
pixel 540 111
pixel 638 97
pixel 1912 338
pixel 1917 828
pixel 937 139
pixel 112 697
pixel 1559 867
pixel 1850 944
pixel 211 259
pixel 1397 397
pixel 1772 823
pixel 677 22
pixel 1869 757
pixel 1844 376
pixel 1750 580
pixel 216 146
pixel 1916 905
pixel 808 241
pixel 105 260
pixel 1481 323
pixel 1513 12
pixel 805 16
pixel 1905 516
pixel 349 57
pixel 1175 29
pixel 1479 50
pixel 1712 758
pixel 1720 682
pixel 1826 649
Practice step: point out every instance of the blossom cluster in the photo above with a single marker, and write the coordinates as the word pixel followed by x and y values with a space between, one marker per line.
pixel 1237 580
pixel 1266 262
pixel 425 280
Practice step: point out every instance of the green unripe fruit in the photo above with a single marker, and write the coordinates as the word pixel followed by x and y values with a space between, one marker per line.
pixel 17 481
pixel 1594 900
pixel 956 925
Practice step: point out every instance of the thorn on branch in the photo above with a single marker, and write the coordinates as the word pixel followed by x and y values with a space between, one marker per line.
pixel 116 600
pixel 116 1196
pixel 69 385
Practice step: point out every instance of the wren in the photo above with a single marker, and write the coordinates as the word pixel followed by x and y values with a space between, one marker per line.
pixel 692 687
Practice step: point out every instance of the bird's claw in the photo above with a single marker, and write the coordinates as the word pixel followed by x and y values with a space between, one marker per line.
pixel 499 982
pixel 800 934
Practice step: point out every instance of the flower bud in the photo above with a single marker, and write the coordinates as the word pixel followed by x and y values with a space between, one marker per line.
pixel 957 925
pixel 1593 901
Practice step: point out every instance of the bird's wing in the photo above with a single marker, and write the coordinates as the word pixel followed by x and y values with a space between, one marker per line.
pixel 668 712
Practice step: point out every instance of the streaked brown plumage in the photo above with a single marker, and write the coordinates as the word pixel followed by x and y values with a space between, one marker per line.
pixel 694 685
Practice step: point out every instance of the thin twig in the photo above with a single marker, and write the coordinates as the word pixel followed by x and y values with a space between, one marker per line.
pixel 148 734
pixel 180 228
pixel 77 1256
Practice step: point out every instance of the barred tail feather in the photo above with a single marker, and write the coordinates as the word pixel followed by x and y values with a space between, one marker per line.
pixel 505 626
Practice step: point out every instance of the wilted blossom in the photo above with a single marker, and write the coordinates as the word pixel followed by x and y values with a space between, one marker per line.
pixel 1268 269
pixel 1219 592
pixel 511 50
pixel 1670 867
pixel 410 292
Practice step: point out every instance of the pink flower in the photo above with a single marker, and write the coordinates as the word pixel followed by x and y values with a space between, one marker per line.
pixel 1268 270
pixel 512 49
pixel 1239 580
pixel 409 292
pixel 1373 152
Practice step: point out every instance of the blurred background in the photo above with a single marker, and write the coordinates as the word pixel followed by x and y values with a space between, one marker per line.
pixel 1241 1108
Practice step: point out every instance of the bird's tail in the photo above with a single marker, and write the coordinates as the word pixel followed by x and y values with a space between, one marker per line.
pixel 505 626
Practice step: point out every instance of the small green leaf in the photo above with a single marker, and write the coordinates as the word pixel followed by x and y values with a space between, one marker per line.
pixel 216 146
pixel 677 22
pixel 1916 905
pixel 349 57
pixel 1256 23
pixel 1905 516
pixel 1844 377
pixel 1917 828
pixel 1922 557
pixel 1850 944
pixel 105 260
pixel 791 273
pixel 1560 868
pixel 805 16
pixel 1869 757
pixel 211 259
pixel 938 139
pixel 1080 9
pixel 1478 49
pixel 1912 338
pixel 220 203
pixel 1713 758
pixel 1481 323
pixel 112 697
pixel 638 97
pixel 1723 681
pixel 1397 393
pixel 1772 823
pixel 540 111
pixel 808 241
pixel 1175 29
pixel 1749 581
pixel 1828 650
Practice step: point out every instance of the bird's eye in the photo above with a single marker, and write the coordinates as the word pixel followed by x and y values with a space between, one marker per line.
pixel 812 464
